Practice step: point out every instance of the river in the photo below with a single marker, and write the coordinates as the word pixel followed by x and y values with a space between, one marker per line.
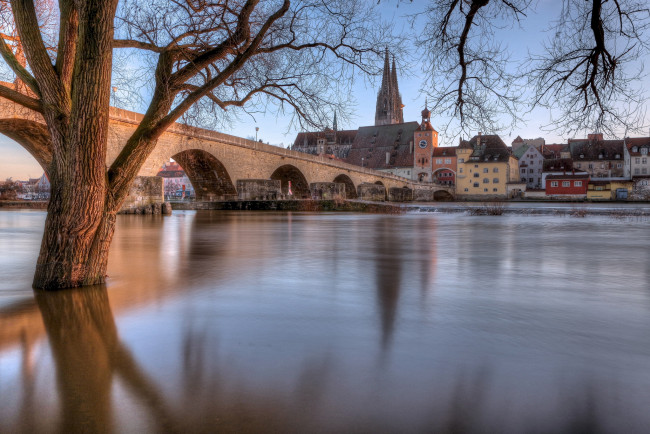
pixel 334 322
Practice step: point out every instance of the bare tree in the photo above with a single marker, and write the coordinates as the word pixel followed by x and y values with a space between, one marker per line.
pixel 587 70
pixel 469 79
pixel 229 53
pixel 587 74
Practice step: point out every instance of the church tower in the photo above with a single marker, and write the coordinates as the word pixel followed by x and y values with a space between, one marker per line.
pixel 425 139
pixel 389 101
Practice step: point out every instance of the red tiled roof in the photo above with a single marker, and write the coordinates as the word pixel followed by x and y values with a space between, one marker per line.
pixel 569 176
pixel 444 151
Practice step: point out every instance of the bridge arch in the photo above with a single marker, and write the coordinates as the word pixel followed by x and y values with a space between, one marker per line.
pixel 207 174
pixel 435 178
pixel 385 189
pixel 299 185
pixel 32 136
pixel 350 189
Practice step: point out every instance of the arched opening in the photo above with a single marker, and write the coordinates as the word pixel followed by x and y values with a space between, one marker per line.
pixel 350 189
pixel 444 176
pixel 208 177
pixel 299 185
pixel 442 196
pixel 27 155
pixel 32 136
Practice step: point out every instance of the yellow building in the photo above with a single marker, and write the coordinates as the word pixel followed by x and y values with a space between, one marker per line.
pixel 609 190
pixel 486 169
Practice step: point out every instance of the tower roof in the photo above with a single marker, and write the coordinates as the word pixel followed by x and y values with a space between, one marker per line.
pixel 389 102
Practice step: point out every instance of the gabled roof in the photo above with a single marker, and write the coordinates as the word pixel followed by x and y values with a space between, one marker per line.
pixel 638 142
pixel 554 150
pixel 490 148
pixel 569 175
pixel 371 144
pixel 444 151
pixel 554 165
pixel 589 150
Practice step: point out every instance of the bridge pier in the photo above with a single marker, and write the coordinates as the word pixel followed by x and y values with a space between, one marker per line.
pixel 397 194
pixel 374 192
pixel 327 190
pixel 146 196
pixel 259 189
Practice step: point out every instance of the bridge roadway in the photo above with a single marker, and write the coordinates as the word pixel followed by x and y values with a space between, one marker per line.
pixel 214 161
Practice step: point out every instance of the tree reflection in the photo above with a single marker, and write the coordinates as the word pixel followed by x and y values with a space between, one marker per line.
pixel 88 355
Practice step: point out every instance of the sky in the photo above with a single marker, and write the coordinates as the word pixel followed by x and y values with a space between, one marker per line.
pixel 17 163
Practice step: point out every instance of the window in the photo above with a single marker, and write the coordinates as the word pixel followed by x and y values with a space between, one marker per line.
pixel 602 165
pixel 532 162
pixel 591 166
pixel 447 160
pixel 637 160
pixel 460 170
pixel 644 151
pixel 577 183
pixel 531 179
pixel 495 190
pixel 523 170
pixel 553 183
pixel 486 181
pixel 578 165
pixel 466 189
pixel 566 183
pixel 539 170
pixel 531 170
pixel 600 156
pixel 644 161
pixel 619 165
pixel 476 175
pixel 637 171
pixel 461 160
pixel 485 190
pixel 476 166
pixel 495 170
pixel 644 171
pixel 438 160
pixel 635 149
pixel 495 180
pixel 486 170
pixel 476 184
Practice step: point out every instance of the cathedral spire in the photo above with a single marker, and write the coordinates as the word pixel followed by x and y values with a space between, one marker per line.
pixel 389 101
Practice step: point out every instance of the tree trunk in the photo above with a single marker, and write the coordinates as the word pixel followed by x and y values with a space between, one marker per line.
pixel 78 231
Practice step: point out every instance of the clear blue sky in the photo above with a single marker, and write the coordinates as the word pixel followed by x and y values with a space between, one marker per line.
pixel 17 163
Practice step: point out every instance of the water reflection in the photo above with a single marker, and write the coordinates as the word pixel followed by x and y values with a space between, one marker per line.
pixel 304 322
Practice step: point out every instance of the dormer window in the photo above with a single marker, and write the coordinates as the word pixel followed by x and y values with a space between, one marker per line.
pixel 644 151
pixel 600 156
pixel 635 149
pixel 582 155
pixel 617 156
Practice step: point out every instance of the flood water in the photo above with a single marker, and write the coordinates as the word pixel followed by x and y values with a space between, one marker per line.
pixel 359 323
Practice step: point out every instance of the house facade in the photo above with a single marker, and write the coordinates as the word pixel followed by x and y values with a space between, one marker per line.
pixel 444 165
pixel 600 158
pixel 531 165
pixel 567 185
pixel 637 160
pixel 485 168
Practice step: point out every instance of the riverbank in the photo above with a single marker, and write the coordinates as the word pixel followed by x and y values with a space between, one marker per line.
pixel 578 209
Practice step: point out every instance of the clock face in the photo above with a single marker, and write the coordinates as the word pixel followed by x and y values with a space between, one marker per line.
pixel 423 144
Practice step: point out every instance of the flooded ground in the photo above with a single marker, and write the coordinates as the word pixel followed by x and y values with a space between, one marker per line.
pixel 300 322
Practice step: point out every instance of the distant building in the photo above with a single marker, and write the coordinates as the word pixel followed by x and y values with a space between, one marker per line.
pixel 531 164
pixel 175 181
pixel 600 158
pixel 391 145
pixel 567 185
pixel 519 142
pixel 486 168
pixel 637 160
pixel 444 165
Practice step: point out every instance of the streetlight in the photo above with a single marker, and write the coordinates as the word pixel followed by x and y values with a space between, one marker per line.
pixel 256 130
pixel 361 161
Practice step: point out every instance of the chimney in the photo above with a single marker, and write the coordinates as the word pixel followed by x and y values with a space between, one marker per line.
pixel 411 147
pixel 387 158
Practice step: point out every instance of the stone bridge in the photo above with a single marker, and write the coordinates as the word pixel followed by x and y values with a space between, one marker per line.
pixel 221 166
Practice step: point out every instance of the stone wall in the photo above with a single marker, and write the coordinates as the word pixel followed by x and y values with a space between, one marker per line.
pixel 374 192
pixel 259 189
pixel 396 194
pixel 327 190
pixel 145 190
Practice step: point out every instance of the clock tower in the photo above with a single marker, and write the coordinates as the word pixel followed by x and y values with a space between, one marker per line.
pixel 425 138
